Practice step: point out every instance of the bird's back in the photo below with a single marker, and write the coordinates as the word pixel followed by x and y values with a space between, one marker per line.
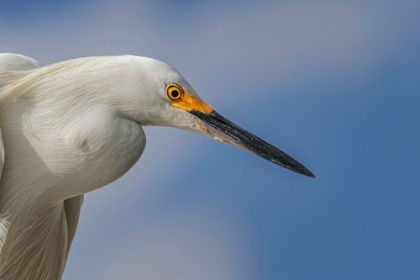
pixel 11 61
pixel 13 264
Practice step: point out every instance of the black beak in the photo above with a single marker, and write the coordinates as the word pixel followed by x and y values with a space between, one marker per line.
pixel 223 129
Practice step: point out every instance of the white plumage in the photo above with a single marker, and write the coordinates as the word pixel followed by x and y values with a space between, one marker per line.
pixel 75 126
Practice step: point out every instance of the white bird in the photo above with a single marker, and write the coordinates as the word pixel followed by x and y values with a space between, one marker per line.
pixel 75 126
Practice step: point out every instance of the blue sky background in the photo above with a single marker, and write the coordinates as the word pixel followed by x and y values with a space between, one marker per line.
pixel 335 84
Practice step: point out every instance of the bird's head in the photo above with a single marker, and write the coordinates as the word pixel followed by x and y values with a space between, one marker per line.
pixel 169 100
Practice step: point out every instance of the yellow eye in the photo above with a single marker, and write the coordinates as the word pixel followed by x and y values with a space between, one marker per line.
pixel 174 92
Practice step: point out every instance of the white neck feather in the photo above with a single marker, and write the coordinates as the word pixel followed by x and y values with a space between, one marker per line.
pixel 64 138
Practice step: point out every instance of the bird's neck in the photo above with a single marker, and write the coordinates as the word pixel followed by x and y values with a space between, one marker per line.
pixel 58 147
pixel 34 244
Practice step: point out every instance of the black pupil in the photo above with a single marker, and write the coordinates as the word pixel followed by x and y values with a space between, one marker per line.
pixel 175 93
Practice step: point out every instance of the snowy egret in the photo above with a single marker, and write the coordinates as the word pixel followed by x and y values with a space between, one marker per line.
pixel 75 126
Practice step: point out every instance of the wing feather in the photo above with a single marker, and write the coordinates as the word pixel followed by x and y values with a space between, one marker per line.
pixel 71 206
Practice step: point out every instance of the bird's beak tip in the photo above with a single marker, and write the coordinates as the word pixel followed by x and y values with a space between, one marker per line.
pixel 310 174
pixel 297 167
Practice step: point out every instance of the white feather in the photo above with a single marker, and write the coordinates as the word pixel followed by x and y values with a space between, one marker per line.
pixel 70 128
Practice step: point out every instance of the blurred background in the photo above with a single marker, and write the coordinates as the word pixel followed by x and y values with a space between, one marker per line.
pixel 335 84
